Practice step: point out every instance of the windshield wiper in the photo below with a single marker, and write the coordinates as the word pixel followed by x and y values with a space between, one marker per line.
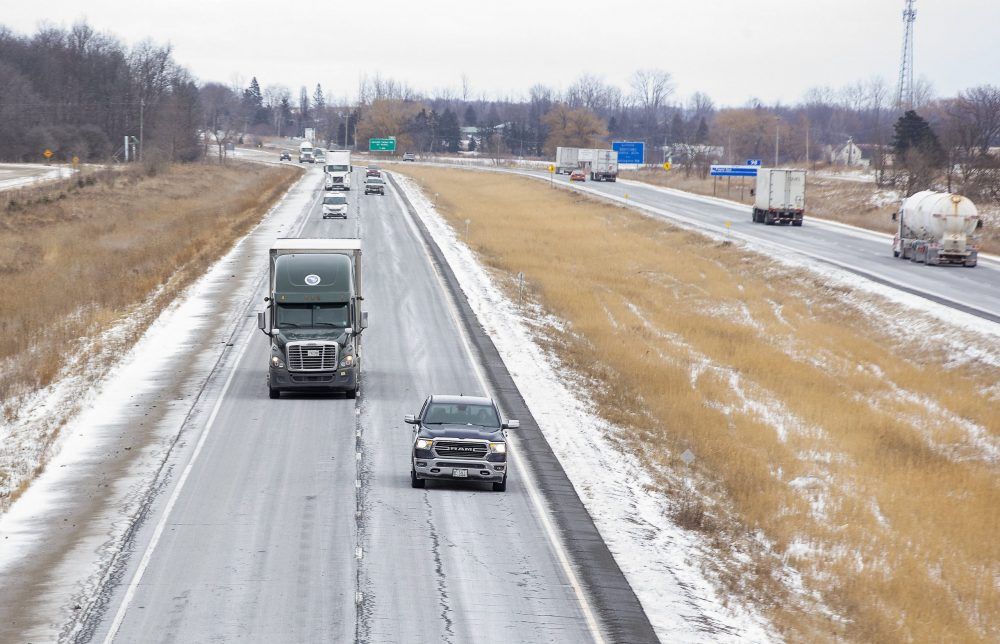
pixel 289 324
pixel 329 324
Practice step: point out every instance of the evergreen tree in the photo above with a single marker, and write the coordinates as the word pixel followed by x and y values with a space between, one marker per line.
pixel 449 131
pixel 913 132
pixel 677 134
pixel 319 100
pixel 253 103
pixel 469 120
pixel 701 134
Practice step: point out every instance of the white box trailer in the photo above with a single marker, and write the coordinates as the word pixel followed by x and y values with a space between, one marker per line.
pixel 567 160
pixel 780 196
pixel 604 165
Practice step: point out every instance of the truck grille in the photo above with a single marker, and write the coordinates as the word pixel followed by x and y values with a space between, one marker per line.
pixel 312 356
pixel 460 449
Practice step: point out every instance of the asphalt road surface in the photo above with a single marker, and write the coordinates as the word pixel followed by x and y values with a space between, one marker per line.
pixel 867 254
pixel 294 519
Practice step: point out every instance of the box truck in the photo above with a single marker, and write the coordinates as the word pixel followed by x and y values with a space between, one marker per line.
pixel 779 196
pixel 338 170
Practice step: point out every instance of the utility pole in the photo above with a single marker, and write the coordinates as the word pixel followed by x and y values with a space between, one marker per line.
pixel 142 108
pixel 777 129
pixel 807 144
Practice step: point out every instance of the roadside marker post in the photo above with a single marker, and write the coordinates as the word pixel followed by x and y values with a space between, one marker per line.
pixel 48 154
pixel 667 166
pixel 552 174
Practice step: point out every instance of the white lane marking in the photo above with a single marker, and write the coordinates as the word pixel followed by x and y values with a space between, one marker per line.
pixel 359 553
pixel 529 481
pixel 158 532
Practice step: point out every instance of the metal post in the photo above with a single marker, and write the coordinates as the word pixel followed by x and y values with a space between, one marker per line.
pixel 777 128
pixel 142 108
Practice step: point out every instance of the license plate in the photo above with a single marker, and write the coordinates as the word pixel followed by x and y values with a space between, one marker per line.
pixel 313 353
pixel 460 474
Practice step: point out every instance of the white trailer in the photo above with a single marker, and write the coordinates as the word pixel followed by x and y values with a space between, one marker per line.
pixel 779 197
pixel 604 165
pixel 567 160
pixel 937 228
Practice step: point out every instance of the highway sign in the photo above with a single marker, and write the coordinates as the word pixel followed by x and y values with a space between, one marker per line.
pixel 48 154
pixel 382 145
pixel 666 166
pixel 734 171
pixel 630 151
pixel 755 162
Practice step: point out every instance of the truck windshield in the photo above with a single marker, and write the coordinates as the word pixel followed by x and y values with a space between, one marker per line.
pixel 461 414
pixel 336 168
pixel 303 316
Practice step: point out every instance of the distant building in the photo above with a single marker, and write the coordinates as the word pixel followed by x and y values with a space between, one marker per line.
pixel 848 154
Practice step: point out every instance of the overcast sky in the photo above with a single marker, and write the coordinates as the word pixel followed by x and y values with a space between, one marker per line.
pixel 732 50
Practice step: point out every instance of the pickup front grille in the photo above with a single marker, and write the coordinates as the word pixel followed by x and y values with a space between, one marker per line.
pixel 460 449
pixel 312 356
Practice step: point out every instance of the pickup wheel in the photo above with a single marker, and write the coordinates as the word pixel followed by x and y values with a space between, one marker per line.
pixel 273 393
pixel 501 486
pixel 421 483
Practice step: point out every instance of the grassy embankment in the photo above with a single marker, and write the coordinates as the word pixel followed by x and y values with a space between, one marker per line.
pixel 858 203
pixel 818 421
pixel 77 256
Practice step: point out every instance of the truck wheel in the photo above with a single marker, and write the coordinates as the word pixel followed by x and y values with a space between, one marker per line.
pixel 768 220
pixel 273 393
pixel 501 486
pixel 895 253
pixel 797 222
pixel 419 483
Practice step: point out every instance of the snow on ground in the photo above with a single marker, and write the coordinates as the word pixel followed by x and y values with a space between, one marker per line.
pixel 92 409
pixel 19 175
pixel 658 558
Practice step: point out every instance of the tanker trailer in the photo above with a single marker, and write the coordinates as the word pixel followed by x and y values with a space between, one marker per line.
pixel 937 228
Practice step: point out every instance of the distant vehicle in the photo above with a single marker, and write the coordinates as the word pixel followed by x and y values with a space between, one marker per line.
pixel 285 156
pixel 937 228
pixel 306 152
pixel 604 165
pixel 319 155
pixel 373 172
pixel 338 170
pixel 567 160
pixel 409 156
pixel 334 207
pixel 779 196
pixel 459 438
pixel 374 186
pixel 577 175
pixel 314 304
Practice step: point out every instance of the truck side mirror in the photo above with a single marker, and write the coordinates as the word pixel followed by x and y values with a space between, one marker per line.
pixel 410 419
pixel 364 318
pixel 262 322
pixel 752 192
pixel 895 216
pixel 511 424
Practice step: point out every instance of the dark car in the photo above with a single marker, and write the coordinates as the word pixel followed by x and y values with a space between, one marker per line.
pixel 459 438
pixel 372 171
pixel 374 186
pixel 285 156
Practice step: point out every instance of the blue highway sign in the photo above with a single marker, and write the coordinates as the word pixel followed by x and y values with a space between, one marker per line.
pixel 630 151
pixel 753 162
pixel 734 171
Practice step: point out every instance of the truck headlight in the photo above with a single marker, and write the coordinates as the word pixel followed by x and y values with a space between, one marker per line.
pixel 424 443
pixel 276 362
pixel 348 361
pixel 498 448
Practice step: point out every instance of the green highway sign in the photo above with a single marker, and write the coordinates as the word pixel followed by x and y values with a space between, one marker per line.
pixel 382 145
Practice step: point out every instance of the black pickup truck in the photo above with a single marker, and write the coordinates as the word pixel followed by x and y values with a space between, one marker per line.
pixel 459 438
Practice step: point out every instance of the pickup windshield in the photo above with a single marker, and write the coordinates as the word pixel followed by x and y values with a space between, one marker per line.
pixel 461 414
pixel 302 316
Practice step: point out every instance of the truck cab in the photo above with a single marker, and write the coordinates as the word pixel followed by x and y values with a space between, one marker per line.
pixel 314 319
pixel 306 152
pixel 338 170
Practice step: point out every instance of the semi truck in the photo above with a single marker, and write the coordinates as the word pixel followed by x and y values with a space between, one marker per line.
pixel 567 160
pixel 604 166
pixel 306 152
pixel 937 228
pixel 313 318
pixel 779 196
pixel 338 170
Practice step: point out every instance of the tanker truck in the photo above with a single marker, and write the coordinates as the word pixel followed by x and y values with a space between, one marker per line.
pixel 937 228
pixel 314 300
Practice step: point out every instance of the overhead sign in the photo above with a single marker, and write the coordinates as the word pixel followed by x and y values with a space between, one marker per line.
pixel 734 171
pixel 630 151
pixel 382 145
pixel 754 162
pixel 48 154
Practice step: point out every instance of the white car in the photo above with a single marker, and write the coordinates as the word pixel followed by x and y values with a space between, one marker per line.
pixel 334 206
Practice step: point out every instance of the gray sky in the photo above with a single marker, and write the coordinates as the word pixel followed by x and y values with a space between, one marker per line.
pixel 730 49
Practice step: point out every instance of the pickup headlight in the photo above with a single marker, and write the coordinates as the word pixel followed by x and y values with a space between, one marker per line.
pixel 424 443
pixel 276 362
pixel 348 361
pixel 498 448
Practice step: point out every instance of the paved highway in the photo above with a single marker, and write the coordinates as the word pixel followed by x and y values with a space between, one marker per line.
pixel 294 520
pixel 867 254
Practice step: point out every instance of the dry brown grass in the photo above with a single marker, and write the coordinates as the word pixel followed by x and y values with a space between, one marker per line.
pixel 851 202
pixel 77 256
pixel 880 499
